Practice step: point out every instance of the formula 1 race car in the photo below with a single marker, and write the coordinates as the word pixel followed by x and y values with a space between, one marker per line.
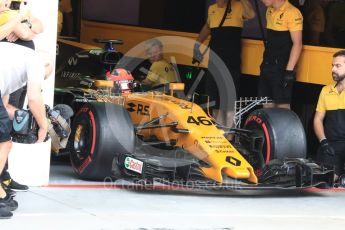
pixel 156 136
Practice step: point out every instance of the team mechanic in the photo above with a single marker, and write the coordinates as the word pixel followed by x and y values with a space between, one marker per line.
pixel 23 34
pixel 7 204
pixel 16 71
pixel 282 50
pixel 225 42
pixel 329 122
pixel 161 71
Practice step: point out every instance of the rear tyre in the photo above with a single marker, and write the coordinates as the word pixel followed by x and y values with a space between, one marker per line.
pixel 100 132
pixel 284 136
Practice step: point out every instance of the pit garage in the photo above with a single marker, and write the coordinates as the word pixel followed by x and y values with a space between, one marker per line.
pixel 124 157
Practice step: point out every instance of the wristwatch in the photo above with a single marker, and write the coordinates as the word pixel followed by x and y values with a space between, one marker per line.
pixel 28 23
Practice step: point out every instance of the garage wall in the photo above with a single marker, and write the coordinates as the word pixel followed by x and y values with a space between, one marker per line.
pixel 314 65
pixel 123 12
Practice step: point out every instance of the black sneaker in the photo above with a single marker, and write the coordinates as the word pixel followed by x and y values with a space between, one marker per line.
pixel 12 184
pixel 4 212
pixel 9 202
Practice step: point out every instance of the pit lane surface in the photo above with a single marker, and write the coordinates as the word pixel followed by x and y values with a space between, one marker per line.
pixel 69 203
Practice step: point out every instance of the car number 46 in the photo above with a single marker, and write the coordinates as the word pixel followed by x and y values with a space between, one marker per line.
pixel 201 120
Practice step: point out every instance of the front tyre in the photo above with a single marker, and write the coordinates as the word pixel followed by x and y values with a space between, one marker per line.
pixel 100 132
pixel 283 133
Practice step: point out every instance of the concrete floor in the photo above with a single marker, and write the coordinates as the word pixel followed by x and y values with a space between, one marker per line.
pixel 69 203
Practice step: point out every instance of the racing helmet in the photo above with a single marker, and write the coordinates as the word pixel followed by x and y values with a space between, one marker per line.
pixel 123 80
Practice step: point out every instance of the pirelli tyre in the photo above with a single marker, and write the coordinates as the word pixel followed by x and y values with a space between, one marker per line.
pixel 100 132
pixel 283 133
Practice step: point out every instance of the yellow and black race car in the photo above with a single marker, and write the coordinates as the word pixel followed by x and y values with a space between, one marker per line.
pixel 156 136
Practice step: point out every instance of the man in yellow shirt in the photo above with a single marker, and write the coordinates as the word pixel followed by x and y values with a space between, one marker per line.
pixel 24 33
pixel 282 51
pixel 161 71
pixel 329 122
pixel 225 43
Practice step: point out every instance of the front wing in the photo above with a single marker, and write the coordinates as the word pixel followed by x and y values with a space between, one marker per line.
pixel 289 174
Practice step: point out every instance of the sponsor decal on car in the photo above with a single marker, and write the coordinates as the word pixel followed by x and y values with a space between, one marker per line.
pixel 134 165
pixel 140 109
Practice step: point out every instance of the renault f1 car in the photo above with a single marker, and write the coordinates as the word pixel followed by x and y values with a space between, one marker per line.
pixel 156 136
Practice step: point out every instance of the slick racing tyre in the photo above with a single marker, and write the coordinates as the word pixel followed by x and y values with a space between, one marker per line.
pixel 283 133
pixel 100 132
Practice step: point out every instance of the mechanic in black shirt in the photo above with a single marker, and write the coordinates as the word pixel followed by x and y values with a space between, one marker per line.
pixel 329 122
pixel 282 51
pixel 225 42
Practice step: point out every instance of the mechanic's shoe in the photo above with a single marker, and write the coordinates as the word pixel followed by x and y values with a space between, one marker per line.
pixel 9 203
pixel 4 212
pixel 12 184
pixel 12 205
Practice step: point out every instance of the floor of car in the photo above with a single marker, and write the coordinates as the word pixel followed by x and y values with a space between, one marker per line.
pixel 68 202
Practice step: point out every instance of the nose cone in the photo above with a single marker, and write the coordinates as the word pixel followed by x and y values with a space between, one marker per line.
pixel 233 166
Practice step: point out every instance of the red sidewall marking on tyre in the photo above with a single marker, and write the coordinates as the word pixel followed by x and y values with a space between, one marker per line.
pixel 93 132
pixel 86 162
pixel 268 144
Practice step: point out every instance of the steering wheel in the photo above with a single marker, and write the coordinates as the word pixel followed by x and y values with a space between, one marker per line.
pixel 108 43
